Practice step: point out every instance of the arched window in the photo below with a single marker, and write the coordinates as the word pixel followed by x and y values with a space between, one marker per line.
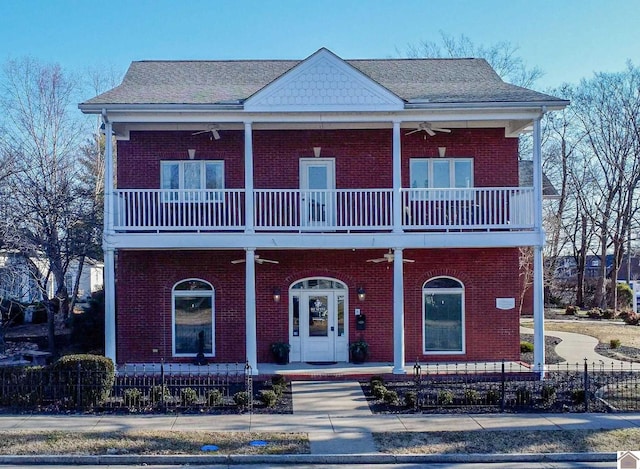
pixel 443 316
pixel 193 318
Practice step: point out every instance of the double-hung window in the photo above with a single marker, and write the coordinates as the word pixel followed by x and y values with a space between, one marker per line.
pixel 192 180
pixel 441 173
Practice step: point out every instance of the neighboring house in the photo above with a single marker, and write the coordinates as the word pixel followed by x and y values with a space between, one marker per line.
pixel 318 202
pixel 17 283
pixel 566 268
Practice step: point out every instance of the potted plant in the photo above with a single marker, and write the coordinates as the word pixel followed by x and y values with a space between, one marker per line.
pixel 280 352
pixel 359 351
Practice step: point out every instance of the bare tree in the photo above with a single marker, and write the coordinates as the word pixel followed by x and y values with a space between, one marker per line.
pixel 502 56
pixel 48 212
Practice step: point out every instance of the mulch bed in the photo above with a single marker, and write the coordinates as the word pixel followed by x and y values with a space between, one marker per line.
pixel 550 343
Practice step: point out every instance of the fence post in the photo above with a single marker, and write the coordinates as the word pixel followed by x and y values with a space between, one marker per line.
pixel 586 386
pixel 502 386
pixel 417 372
pixel 249 386
pixel 162 406
pixel 78 388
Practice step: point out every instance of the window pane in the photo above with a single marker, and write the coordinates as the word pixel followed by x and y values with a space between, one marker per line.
pixel 340 316
pixel 419 174
pixel 170 176
pixel 296 316
pixel 193 319
pixel 443 282
pixel 463 174
pixel 214 176
pixel 193 285
pixel 192 175
pixel 443 322
pixel 441 174
pixel 318 312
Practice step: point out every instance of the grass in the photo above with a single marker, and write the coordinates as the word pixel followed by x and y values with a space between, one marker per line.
pixel 602 330
pixel 507 442
pixel 148 442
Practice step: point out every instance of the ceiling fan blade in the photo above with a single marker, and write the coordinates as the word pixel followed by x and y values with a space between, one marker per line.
pixel 201 132
pixel 408 260
pixel 413 131
pixel 448 131
pixel 268 261
pixel 376 261
pixel 429 131
pixel 237 261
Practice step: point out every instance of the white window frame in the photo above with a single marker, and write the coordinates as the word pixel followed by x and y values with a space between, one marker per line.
pixel 426 291
pixel 446 193
pixel 190 293
pixel 192 195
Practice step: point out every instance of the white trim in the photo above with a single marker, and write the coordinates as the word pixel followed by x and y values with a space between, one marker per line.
pixel 460 291
pixel 197 293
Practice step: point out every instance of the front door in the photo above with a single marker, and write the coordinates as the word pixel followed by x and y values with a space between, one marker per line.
pixel 317 184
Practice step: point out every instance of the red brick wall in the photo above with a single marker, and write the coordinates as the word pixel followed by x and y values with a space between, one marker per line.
pixel 145 280
pixel 363 157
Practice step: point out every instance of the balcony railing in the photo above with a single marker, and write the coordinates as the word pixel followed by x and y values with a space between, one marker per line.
pixel 340 210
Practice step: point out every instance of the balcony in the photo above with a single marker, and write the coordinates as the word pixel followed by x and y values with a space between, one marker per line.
pixel 330 211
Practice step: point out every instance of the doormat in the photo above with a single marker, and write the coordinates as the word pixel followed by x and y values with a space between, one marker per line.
pixel 321 363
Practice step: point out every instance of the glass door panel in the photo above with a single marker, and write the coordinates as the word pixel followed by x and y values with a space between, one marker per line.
pixel 318 316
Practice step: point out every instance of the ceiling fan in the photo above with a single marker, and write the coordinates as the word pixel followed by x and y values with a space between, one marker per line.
pixel 428 128
pixel 258 259
pixel 387 257
pixel 215 134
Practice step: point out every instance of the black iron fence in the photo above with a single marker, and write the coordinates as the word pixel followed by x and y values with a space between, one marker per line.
pixel 149 388
pixel 510 387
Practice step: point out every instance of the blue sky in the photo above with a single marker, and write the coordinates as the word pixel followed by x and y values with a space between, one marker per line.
pixel 567 39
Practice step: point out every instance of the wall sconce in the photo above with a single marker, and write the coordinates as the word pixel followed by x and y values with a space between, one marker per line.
pixel 361 294
pixel 442 151
pixel 316 151
pixel 192 153
pixel 276 295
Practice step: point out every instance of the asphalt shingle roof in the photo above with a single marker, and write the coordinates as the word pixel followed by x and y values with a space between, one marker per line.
pixel 223 82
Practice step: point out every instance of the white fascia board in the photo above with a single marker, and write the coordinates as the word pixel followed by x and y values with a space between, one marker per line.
pixel 182 241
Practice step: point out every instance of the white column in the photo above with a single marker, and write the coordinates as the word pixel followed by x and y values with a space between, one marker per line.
pixel 398 313
pixel 250 300
pixel 248 178
pixel 397 179
pixel 109 304
pixel 108 175
pixel 538 277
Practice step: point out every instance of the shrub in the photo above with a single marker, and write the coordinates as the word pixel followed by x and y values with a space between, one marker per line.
pixel 188 396
pixel 410 399
pixel 577 395
pixel 268 397
pixel 471 396
pixel 631 318
pixel 378 391
pixel 23 386
pixel 445 397
pixel 523 396
pixel 391 397
pixel 548 393
pixel 214 397
pixel 241 398
pixel 159 393
pixel 278 389
pixel 571 310
pixel 596 313
pixel 87 328
pixel 96 378
pixel 526 347
pixel 615 343
pixel 376 380
pixel 492 397
pixel 278 380
pixel 609 313
pixel 132 397
pixel 625 295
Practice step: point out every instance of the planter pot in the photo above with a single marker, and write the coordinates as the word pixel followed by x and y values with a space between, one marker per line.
pixel 281 358
pixel 358 356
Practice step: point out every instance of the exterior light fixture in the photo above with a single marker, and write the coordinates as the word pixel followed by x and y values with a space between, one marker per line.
pixel 316 151
pixel 361 294
pixel 442 151
pixel 192 153
pixel 276 295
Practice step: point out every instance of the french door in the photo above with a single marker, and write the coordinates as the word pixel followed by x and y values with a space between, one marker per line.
pixel 317 184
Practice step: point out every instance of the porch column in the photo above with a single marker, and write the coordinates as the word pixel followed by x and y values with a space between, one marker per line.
pixel 109 253
pixel 109 304
pixel 397 179
pixel 398 313
pixel 250 300
pixel 248 178
pixel 538 276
